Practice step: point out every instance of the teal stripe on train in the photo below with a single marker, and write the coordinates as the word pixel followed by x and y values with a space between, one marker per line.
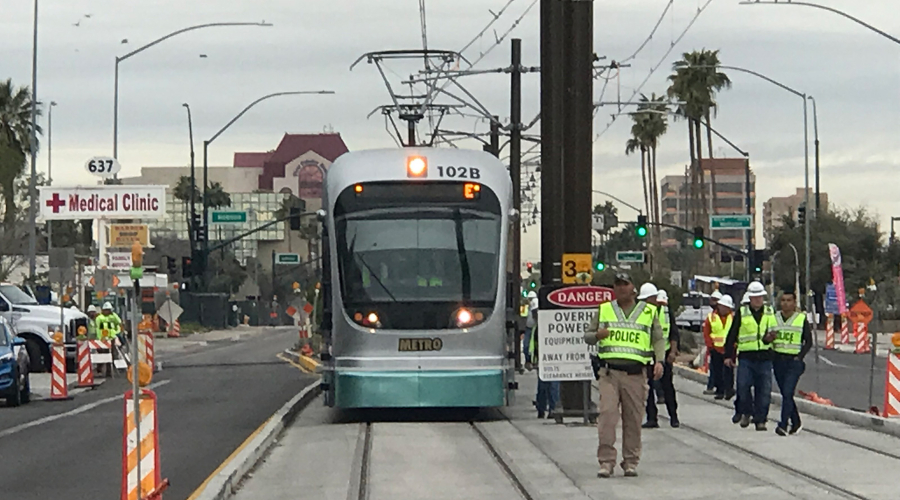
pixel 419 389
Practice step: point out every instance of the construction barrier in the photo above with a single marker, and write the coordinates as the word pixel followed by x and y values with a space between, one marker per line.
pixel 145 348
pixel 845 329
pixel 149 443
pixel 175 329
pixel 892 385
pixel 101 352
pixel 829 331
pixel 85 368
pixel 58 385
pixel 862 338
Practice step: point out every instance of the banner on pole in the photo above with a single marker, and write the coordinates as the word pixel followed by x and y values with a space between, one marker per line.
pixel 837 276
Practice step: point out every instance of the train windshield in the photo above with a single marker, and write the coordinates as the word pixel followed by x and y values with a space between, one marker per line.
pixel 419 254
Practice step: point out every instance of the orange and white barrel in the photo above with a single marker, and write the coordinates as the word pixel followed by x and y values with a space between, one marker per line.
pixel 845 329
pixel 149 447
pixel 862 338
pixel 892 386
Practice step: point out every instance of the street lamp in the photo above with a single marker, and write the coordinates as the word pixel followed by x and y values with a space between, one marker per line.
pixel 191 227
pixel 829 9
pixel 805 152
pixel 145 47
pixel 816 144
pixel 50 166
pixel 206 144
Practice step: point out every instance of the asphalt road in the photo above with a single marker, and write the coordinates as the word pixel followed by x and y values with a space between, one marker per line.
pixel 844 378
pixel 210 401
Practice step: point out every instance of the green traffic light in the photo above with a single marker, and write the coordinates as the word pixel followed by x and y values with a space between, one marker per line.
pixel 698 243
pixel 533 284
pixel 641 231
pixel 599 266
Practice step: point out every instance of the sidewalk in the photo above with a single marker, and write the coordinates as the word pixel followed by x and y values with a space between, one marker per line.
pixel 709 457
pixel 166 344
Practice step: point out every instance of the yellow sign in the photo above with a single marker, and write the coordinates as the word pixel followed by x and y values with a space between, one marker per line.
pixel 145 374
pixel 125 235
pixel 573 264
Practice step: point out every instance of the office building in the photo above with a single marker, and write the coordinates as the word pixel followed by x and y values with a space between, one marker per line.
pixel 777 208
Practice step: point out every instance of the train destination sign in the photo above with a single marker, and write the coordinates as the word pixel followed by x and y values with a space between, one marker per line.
pixel 103 202
pixel 564 315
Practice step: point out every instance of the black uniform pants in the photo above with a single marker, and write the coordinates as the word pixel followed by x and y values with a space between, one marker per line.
pixel 668 389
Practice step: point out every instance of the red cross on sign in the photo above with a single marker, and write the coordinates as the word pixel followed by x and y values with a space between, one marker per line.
pixel 55 202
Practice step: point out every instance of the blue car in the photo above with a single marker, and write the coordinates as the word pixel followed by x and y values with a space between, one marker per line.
pixel 15 384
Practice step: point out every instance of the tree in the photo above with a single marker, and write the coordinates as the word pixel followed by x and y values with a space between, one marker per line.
pixel 216 197
pixel 182 190
pixel 655 125
pixel 636 143
pixel 15 141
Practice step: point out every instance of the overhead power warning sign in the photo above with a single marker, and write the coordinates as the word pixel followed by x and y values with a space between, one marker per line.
pixel 563 318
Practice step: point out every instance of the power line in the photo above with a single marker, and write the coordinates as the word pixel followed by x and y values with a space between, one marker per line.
pixel 653 32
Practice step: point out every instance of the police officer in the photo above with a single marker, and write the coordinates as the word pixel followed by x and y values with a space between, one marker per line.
pixel 754 350
pixel 628 337
pixel 670 333
pixel 791 341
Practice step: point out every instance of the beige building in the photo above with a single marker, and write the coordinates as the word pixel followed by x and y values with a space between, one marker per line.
pixel 731 189
pixel 776 209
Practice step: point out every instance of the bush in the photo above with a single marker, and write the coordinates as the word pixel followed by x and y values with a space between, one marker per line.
pixel 190 328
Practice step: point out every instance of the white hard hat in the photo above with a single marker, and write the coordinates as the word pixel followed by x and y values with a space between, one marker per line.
pixel 745 299
pixel 756 289
pixel 532 295
pixel 107 305
pixel 727 301
pixel 92 308
pixel 716 295
pixel 663 297
pixel 647 290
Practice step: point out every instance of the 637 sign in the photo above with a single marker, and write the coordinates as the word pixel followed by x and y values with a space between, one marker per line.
pixel 102 166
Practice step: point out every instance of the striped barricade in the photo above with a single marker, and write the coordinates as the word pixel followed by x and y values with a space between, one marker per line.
pixel 892 385
pixel 59 389
pixel 829 331
pixel 147 458
pixel 85 367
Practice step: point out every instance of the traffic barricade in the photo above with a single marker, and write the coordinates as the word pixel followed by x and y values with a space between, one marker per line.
pixel 140 452
pixel 101 353
pixel 845 329
pixel 59 389
pixel 85 367
pixel 892 382
pixel 862 338
pixel 829 331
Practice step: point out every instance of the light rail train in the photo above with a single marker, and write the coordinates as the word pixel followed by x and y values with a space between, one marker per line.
pixel 416 280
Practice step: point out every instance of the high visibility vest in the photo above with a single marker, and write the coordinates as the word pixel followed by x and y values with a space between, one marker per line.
pixel 107 326
pixel 666 326
pixel 751 333
pixel 789 339
pixel 718 331
pixel 629 337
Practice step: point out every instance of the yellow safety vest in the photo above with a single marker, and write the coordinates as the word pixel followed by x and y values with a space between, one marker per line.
pixel 751 333
pixel 629 337
pixel 107 326
pixel 789 339
pixel 718 331
pixel 665 325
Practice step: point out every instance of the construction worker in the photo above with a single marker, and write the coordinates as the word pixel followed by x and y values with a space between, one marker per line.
pixel 713 302
pixel 628 337
pixel 748 338
pixel 670 333
pixel 108 323
pixel 715 331
pixel 92 323
pixel 791 341
pixel 530 322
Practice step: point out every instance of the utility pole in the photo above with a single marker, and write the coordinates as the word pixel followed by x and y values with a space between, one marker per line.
pixel 515 171
pixel 553 62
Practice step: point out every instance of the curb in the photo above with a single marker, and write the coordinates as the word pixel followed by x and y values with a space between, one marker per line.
pixel 834 413
pixel 223 484
pixel 309 364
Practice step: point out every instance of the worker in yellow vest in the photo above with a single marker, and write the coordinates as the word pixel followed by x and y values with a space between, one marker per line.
pixel 629 338
pixel 713 303
pixel 665 385
pixel 748 337
pixel 715 331
pixel 791 341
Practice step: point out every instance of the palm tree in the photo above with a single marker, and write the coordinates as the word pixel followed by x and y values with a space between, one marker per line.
pixel 714 81
pixel 15 141
pixel 655 125
pixel 216 197
pixel 634 144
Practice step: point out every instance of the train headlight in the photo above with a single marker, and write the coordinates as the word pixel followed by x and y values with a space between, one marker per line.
pixel 416 166
pixel 465 318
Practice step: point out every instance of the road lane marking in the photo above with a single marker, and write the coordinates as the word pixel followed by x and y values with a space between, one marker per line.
pixel 298 366
pixel 76 411
pixel 228 460
pixel 832 363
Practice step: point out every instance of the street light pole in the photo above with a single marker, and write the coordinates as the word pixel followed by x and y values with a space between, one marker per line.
pixel 206 143
pixel 50 166
pixel 193 187
pixel 816 143
pixel 32 184
pixel 143 48
pixel 829 9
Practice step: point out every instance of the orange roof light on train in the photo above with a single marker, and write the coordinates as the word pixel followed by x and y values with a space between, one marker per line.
pixel 417 166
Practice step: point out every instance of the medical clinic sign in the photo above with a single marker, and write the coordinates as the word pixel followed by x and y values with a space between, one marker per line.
pixel 103 202
pixel 564 315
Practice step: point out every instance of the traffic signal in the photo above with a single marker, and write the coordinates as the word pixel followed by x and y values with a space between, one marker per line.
pixel 529 266
pixel 201 234
pixel 187 267
pixel 641 229
pixel 295 218
pixel 170 265
pixel 756 260
pixel 801 214
pixel 698 237
pixel 599 265
pixel 532 284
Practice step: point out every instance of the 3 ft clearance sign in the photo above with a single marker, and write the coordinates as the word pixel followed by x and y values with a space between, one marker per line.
pixel 103 202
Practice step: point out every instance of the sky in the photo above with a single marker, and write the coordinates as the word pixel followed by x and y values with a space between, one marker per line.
pixel 853 73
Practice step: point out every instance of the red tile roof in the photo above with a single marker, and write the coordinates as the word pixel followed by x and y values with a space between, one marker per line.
pixel 292 146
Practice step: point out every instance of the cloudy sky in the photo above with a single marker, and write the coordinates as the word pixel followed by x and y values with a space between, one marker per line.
pixel 853 73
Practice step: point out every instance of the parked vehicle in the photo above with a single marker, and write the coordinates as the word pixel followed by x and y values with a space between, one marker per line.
pixel 33 323
pixel 15 383
pixel 695 309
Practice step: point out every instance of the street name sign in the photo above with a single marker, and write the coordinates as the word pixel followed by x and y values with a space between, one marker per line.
pixel 630 256
pixel 102 202
pixel 229 217
pixel 287 258
pixel 731 221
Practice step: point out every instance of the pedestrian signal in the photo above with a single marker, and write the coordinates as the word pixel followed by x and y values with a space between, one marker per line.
pixel 641 229
pixel 698 237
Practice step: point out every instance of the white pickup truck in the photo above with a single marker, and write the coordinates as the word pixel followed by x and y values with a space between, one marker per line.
pixel 695 309
pixel 33 322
